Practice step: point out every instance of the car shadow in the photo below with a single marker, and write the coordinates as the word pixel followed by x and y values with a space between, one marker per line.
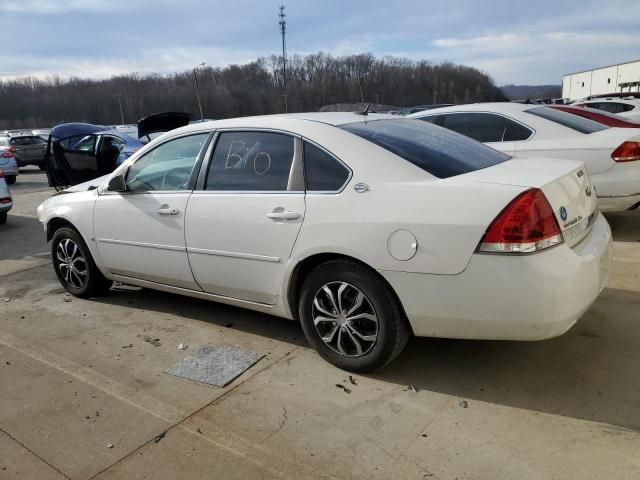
pixel 589 373
pixel 22 237
pixel 625 226
pixel 214 313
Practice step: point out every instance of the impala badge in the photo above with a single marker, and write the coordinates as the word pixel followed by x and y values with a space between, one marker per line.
pixel 361 187
pixel 580 173
pixel 588 191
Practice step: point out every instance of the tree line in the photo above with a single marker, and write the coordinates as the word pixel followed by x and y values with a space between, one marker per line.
pixel 313 81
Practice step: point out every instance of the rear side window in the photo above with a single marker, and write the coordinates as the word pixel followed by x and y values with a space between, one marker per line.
pixel 251 161
pixel 483 127
pixel 517 131
pixel 574 122
pixel 323 173
pixel 436 150
pixel 610 107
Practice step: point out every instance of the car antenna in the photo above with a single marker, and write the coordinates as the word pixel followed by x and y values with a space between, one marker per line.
pixel 365 111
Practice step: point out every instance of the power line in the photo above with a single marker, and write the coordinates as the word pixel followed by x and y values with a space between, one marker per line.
pixel 283 32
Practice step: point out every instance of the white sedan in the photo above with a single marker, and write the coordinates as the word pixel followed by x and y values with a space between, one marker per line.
pixel 612 155
pixel 625 107
pixel 365 228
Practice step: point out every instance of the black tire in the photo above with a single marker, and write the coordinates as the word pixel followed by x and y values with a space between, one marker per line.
pixel 392 329
pixel 41 166
pixel 90 284
pixel 3 218
pixel 10 179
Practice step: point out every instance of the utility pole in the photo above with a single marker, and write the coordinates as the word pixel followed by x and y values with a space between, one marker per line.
pixel 119 97
pixel 195 77
pixel 283 32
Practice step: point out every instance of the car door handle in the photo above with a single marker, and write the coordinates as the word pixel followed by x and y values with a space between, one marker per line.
pixel 167 210
pixel 284 215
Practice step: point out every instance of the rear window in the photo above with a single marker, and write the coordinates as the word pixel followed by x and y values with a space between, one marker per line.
pixel 436 150
pixel 574 122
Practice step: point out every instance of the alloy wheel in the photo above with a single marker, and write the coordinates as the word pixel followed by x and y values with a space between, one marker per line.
pixel 71 263
pixel 345 319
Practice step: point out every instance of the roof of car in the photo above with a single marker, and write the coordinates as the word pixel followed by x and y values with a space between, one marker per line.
pixel 479 107
pixel 266 121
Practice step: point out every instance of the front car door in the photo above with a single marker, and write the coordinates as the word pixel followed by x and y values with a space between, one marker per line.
pixel 140 232
pixel 244 217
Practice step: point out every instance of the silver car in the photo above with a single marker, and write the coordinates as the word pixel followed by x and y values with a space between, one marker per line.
pixel 6 202
pixel 8 162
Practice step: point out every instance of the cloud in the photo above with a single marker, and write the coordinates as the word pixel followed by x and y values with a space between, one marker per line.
pixel 42 7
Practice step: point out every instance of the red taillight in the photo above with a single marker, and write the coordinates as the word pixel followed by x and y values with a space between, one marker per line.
pixel 7 154
pixel 526 225
pixel 627 152
pixel 5 200
pixel 12 149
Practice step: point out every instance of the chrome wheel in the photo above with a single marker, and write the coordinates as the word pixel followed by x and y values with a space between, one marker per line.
pixel 345 319
pixel 71 263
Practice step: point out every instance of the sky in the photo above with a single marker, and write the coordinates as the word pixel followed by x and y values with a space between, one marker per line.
pixel 514 41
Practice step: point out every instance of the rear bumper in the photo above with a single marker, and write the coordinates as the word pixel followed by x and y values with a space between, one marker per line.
pixel 505 297
pixel 618 203
pixel 10 170
pixel 618 189
pixel 5 207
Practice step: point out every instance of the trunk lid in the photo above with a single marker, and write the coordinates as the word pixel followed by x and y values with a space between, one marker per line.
pixel 566 184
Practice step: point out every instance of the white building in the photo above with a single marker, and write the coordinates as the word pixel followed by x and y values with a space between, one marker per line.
pixel 624 77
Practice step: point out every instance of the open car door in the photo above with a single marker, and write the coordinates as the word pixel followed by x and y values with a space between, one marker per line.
pixel 162 122
pixel 71 154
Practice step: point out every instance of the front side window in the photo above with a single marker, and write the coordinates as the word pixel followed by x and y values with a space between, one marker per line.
pixel 251 161
pixel 483 127
pixel 574 122
pixel 166 167
pixel 440 152
pixel 323 173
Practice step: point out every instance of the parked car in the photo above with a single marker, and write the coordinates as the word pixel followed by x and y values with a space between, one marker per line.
pixel 6 202
pixel 600 116
pixel 421 108
pixel 611 154
pixel 78 152
pixel 28 149
pixel 365 228
pixel 627 107
pixel 8 162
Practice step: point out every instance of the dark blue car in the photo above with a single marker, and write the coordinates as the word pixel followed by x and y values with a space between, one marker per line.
pixel 79 152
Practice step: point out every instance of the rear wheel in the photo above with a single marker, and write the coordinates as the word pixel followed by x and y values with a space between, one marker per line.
pixel 74 265
pixel 351 317
pixel 10 179
pixel 3 218
pixel 41 166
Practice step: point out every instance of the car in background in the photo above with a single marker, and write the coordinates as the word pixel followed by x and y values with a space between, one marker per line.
pixel 612 155
pixel 600 116
pixel 628 107
pixel 365 228
pixel 420 108
pixel 43 133
pixel 78 152
pixel 6 202
pixel 8 162
pixel 28 149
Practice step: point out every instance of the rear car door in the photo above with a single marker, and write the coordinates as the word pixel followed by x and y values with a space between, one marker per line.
pixel 243 219
pixel 140 232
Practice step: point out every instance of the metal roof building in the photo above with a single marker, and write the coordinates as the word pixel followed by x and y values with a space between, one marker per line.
pixel 623 77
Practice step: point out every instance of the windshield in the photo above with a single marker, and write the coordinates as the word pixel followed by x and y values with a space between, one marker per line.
pixel 574 122
pixel 440 152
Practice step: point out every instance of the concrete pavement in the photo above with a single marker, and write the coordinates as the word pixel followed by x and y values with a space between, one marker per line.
pixel 75 404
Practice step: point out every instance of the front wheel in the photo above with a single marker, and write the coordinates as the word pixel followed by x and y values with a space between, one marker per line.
pixel 351 317
pixel 10 179
pixel 74 265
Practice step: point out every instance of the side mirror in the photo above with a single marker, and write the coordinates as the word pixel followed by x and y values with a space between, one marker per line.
pixel 117 184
